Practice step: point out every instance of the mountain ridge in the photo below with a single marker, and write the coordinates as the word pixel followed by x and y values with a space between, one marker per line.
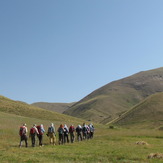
pixel 56 107
pixel 113 99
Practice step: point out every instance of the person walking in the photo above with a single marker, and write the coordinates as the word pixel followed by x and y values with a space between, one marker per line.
pixel 72 135
pixel 23 135
pixel 91 130
pixel 79 133
pixel 66 134
pixel 88 132
pixel 51 134
pixel 61 134
pixel 84 130
pixel 41 131
pixel 33 133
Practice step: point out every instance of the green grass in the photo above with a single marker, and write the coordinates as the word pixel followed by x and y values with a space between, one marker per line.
pixel 148 112
pixel 108 145
pixel 23 109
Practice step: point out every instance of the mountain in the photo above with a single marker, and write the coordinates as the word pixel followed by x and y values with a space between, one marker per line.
pixel 148 112
pixel 57 107
pixel 23 109
pixel 115 98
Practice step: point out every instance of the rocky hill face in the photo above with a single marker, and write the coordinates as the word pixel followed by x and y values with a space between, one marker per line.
pixel 115 98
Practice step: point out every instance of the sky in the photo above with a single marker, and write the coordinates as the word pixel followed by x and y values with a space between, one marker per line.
pixel 62 50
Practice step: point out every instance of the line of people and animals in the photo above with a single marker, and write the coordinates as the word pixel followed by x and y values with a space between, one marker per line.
pixel 65 134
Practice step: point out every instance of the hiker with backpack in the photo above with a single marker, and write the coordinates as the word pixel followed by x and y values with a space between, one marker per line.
pixel 84 131
pixel 51 134
pixel 91 130
pixel 88 132
pixel 61 134
pixel 66 134
pixel 41 131
pixel 33 133
pixel 23 135
pixel 79 133
pixel 71 131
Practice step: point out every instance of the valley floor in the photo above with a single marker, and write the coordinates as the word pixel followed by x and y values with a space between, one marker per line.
pixel 108 145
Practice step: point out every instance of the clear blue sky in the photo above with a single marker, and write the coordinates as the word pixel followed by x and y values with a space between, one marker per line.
pixel 62 50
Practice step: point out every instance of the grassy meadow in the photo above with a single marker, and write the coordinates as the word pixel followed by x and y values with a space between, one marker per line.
pixel 108 145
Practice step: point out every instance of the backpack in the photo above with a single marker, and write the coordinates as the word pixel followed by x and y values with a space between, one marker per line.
pixel 65 131
pixel 84 129
pixel 50 129
pixel 91 129
pixel 22 131
pixel 71 129
pixel 88 129
pixel 39 130
pixel 78 129
pixel 60 131
pixel 32 130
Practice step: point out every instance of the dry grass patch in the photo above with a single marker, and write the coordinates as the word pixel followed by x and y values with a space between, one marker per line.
pixel 141 143
pixel 155 155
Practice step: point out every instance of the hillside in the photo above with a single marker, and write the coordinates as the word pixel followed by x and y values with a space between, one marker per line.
pixel 57 107
pixel 113 99
pixel 148 112
pixel 26 110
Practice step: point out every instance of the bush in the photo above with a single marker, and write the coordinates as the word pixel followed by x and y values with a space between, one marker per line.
pixel 111 127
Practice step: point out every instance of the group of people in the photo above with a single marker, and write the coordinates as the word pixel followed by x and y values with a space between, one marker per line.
pixel 65 134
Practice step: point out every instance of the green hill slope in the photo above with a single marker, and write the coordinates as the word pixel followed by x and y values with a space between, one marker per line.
pixel 149 112
pixel 57 107
pixel 113 99
pixel 26 110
